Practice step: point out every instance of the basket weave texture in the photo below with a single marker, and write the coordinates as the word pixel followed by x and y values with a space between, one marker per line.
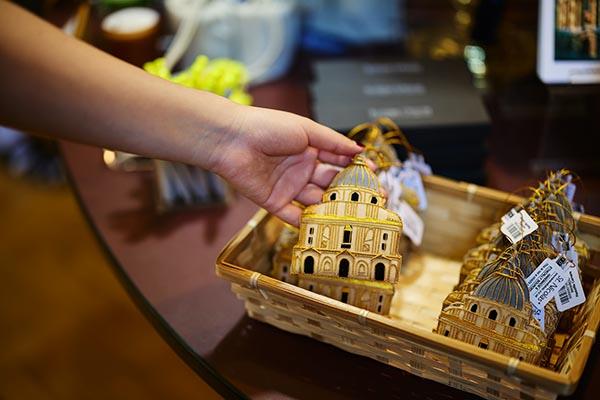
pixel 456 213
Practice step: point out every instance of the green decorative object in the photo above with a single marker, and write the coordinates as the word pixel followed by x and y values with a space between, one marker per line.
pixel 221 76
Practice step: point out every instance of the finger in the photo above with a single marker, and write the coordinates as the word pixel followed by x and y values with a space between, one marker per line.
pixel 371 164
pixel 383 191
pixel 324 138
pixel 324 174
pixel 289 213
pixel 335 159
pixel 311 194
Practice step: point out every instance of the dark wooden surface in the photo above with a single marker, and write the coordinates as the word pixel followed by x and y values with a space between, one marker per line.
pixel 167 265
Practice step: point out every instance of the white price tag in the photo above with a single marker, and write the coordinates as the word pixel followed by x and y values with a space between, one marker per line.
pixel 509 214
pixel 546 280
pixel 411 179
pixel 391 184
pixel 383 178
pixel 417 161
pixel 573 256
pixel 539 314
pixel 559 241
pixel 571 294
pixel 413 226
pixel 570 191
pixel 518 226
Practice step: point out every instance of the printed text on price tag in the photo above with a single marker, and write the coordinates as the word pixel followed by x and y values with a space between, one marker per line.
pixel 546 280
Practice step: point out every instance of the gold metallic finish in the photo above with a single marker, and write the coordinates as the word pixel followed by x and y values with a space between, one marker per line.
pixel 348 246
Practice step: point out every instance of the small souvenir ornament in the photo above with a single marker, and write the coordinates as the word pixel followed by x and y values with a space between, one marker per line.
pixel 348 246
pixel 282 257
pixel 502 302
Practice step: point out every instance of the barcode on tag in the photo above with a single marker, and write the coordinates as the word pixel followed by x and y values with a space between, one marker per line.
pixel 518 226
pixel 413 226
pixel 571 294
pixel 539 314
pixel 513 229
pixel 563 295
pixel 545 282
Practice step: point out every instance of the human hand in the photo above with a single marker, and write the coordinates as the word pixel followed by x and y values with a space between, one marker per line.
pixel 274 157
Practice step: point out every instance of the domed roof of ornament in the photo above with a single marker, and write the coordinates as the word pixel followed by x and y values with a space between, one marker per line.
pixel 504 286
pixel 357 174
pixel 488 268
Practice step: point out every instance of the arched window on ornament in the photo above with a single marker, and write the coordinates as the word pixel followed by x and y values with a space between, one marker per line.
pixel 379 272
pixel 384 241
pixel 344 268
pixel 311 234
pixel 355 196
pixel 347 237
pixel 309 265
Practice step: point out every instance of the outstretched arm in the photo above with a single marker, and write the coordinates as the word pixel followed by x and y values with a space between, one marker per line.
pixel 58 86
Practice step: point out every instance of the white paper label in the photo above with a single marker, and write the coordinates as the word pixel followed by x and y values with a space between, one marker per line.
pixel 391 184
pixel 559 241
pixel 509 214
pixel 411 179
pixel 570 188
pixel 413 226
pixel 546 280
pixel 417 161
pixel 570 191
pixel 571 294
pixel 539 314
pixel 518 226
pixel 573 256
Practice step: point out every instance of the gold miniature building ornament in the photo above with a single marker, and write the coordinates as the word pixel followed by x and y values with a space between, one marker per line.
pixel 491 306
pixel 282 256
pixel 348 246
pixel 497 315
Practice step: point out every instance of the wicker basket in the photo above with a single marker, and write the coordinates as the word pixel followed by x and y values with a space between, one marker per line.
pixel 456 213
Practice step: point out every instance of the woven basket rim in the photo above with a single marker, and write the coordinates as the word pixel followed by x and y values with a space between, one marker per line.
pixel 563 384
